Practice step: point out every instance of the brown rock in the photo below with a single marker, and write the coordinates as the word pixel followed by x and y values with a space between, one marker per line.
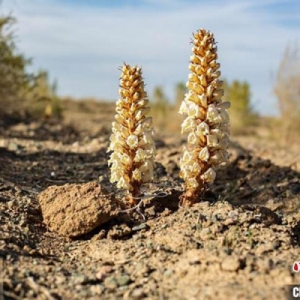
pixel 267 216
pixel 263 248
pixel 76 209
pixel 231 263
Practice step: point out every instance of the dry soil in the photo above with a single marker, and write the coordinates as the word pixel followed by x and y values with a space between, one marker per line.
pixel 239 242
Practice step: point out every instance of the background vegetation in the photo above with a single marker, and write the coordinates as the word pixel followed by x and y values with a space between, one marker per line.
pixel 23 96
pixel 287 91
pixel 26 96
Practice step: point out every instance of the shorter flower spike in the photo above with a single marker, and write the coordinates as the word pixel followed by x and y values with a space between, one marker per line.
pixel 131 143
pixel 207 121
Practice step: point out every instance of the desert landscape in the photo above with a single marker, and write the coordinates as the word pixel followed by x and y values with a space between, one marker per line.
pixel 137 191
pixel 239 242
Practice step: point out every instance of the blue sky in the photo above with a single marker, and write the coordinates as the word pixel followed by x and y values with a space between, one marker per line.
pixel 82 43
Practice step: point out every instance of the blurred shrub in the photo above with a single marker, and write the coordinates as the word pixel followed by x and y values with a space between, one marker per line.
pixel 180 91
pixel 242 117
pixel 287 91
pixel 23 96
pixel 40 97
pixel 159 107
pixel 13 77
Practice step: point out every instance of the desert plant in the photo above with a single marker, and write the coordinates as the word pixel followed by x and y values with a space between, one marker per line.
pixel 22 94
pixel 287 91
pixel 13 77
pixel 41 97
pixel 207 121
pixel 180 91
pixel 242 116
pixel 159 107
pixel 131 143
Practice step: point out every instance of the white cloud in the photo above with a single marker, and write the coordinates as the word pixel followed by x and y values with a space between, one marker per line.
pixel 83 46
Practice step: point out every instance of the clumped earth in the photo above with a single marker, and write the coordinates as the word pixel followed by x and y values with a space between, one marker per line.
pixel 240 242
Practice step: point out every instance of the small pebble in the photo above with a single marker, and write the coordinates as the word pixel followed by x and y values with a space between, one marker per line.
pixel 231 263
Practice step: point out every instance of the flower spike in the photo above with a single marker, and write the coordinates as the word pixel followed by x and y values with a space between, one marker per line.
pixel 131 142
pixel 207 121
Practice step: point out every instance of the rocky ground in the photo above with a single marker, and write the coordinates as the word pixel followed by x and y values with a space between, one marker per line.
pixel 240 242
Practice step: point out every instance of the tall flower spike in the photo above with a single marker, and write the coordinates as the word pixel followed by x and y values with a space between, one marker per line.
pixel 131 143
pixel 206 122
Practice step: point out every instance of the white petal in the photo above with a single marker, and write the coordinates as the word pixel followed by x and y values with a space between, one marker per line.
pixel 202 129
pixel 212 114
pixel 209 176
pixel 147 122
pixel 115 175
pixel 192 183
pixel 203 80
pixel 192 138
pixel 138 130
pixel 187 157
pixel 132 141
pixel 196 169
pixel 224 115
pixel 122 183
pixel 212 141
pixel 137 175
pixel 194 111
pixel 140 155
pixel 191 97
pixel 125 159
pixel 204 154
pixel 203 100
pixel 188 125
pixel 183 109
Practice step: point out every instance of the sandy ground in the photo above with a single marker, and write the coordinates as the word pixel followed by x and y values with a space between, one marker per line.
pixel 239 242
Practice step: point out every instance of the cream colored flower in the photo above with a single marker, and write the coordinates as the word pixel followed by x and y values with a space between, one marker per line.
pixel 224 141
pixel 147 168
pixel 137 175
pixel 203 100
pixel 204 154
pixel 209 176
pixel 147 123
pixel 219 157
pixel 188 124
pixel 202 129
pixel 115 175
pixel 183 109
pixel 224 115
pixel 187 157
pixel 212 141
pixel 213 115
pixel 131 143
pixel 192 97
pixel 206 121
pixel 192 183
pixel 194 111
pixel 123 184
pixel 148 138
pixel 125 159
pixel 140 155
pixel 196 169
pixel 192 138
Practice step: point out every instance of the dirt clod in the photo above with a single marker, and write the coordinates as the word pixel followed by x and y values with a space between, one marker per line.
pixel 231 263
pixel 76 209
